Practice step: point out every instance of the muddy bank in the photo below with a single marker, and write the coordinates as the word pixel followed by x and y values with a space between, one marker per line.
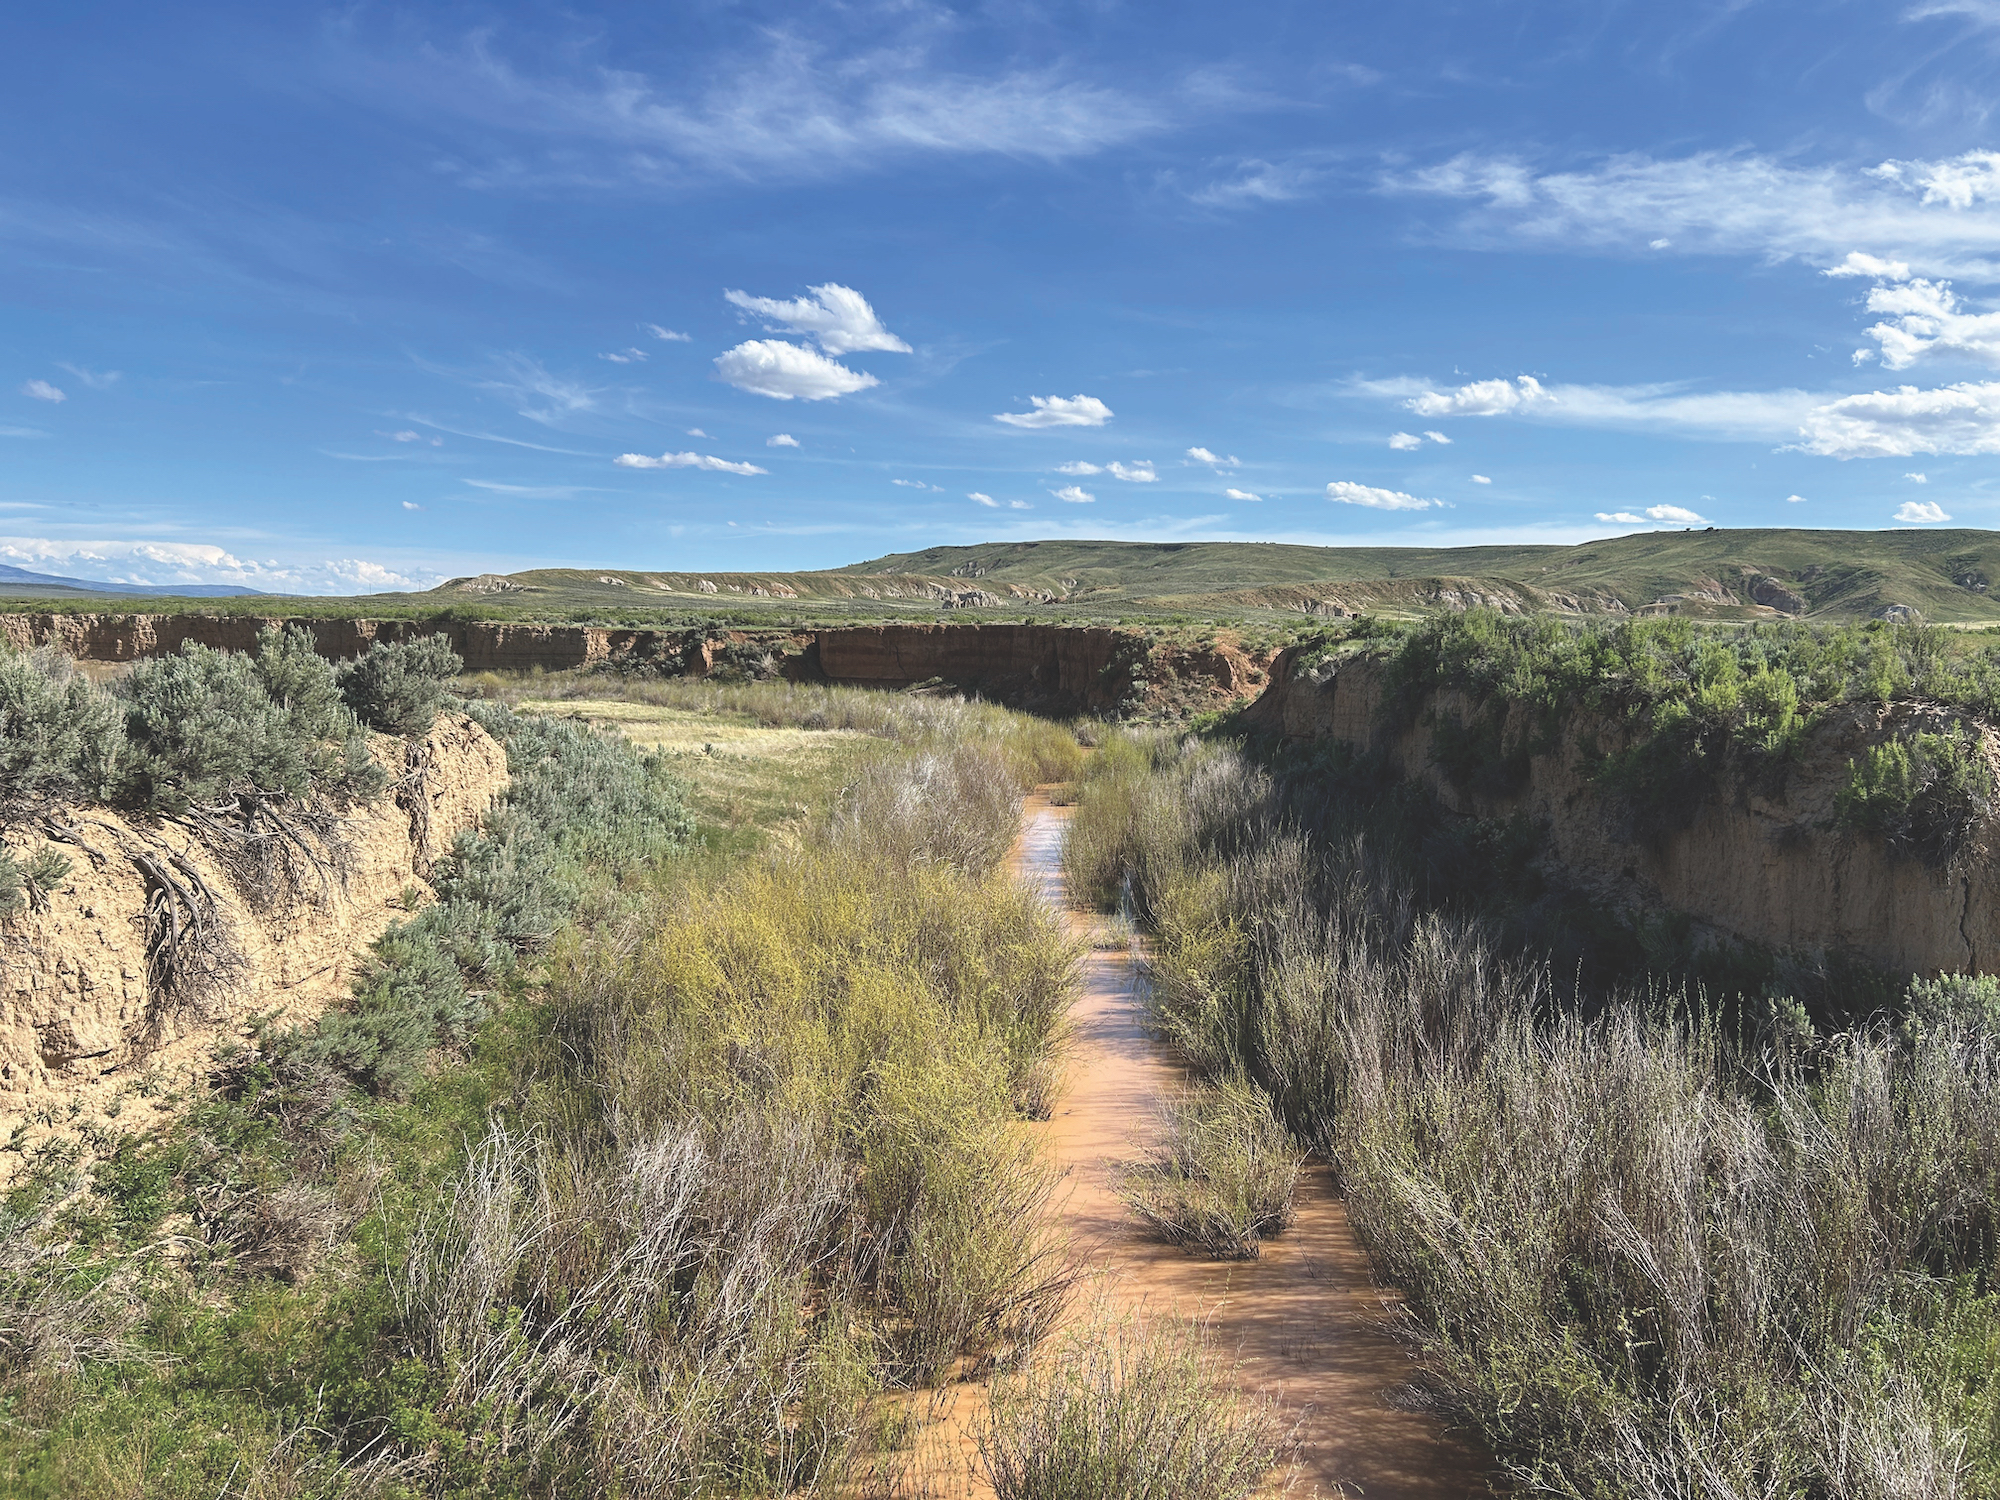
pixel 83 1012
pixel 1762 864
pixel 1055 669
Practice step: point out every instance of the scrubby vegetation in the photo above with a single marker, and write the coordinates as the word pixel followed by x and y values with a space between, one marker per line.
pixel 624 1171
pixel 1647 1251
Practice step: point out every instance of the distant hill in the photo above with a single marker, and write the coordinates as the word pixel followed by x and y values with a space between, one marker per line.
pixel 19 582
pixel 1945 576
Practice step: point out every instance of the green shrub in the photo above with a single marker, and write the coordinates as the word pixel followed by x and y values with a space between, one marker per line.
pixel 400 687
pixel 60 737
pixel 214 729
pixel 1223 1176
pixel 24 882
pixel 1926 793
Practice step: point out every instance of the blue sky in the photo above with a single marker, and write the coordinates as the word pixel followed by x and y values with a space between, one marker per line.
pixel 340 299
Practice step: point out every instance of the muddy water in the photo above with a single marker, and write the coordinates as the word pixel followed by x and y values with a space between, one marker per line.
pixel 1305 1320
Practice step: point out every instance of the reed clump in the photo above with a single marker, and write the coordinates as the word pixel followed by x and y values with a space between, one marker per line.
pixel 1128 1406
pixel 1222 1174
pixel 1647 1253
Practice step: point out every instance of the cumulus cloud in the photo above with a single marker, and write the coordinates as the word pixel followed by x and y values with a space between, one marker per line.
pixel 1921 512
pixel 1858 263
pixel 1073 494
pixel 986 500
pixel 696 432
pixel 41 390
pixel 1079 468
pixel 685 461
pixel 781 440
pixel 626 357
pixel 786 372
pixel 1918 478
pixel 1481 398
pixel 411 505
pixel 1019 505
pixel 1214 460
pixel 1933 217
pixel 837 317
pixel 1403 442
pixel 157 562
pixel 1140 472
pixel 1480 479
pixel 1236 494
pixel 1795 500
pixel 1346 492
pixel 1963 418
pixel 667 334
pixel 1927 317
pixel 1058 411
pixel 1676 515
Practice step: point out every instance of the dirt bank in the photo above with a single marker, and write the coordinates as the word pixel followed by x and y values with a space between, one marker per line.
pixel 83 1016
pixel 1057 669
pixel 1763 864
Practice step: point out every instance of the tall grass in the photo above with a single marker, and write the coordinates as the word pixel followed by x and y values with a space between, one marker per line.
pixel 1648 1253
pixel 1128 1406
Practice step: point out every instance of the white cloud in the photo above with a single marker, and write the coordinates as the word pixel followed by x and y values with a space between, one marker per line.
pixel 1403 442
pixel 95 380
pixel 667 334
pixel 1140 472
pixel 1918 478
pixel 1073 494
pixel 1919 512
pixel 1795 500
pixel 837 317
pixel 1735 416
pixel 1236 494
pixel 411 505
pixel 1481 398
pixel 141 561
pixel 626 357
pixel 1019 505
pixel 910 484
pixel 405 436
pixel 1676 515
pixel 1659 244
pixel 781 440
pixel 696 432
pixel 1935 217
pixel 771 367
pixel 986 500
pixel 1079 468
pixel 22 432
pixel 1860 264
pixel 41 390
pixel 524 380
pixel 1962 418
pixel 685 461
pixel 1437 437
pixel 1926 317
pixel 1349 493
pixel 1058 411
pixel 1480 479
pixel 1258 181
pixel 1214 460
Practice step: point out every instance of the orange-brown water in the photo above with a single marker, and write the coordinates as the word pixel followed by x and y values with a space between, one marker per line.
pixel 1306 1321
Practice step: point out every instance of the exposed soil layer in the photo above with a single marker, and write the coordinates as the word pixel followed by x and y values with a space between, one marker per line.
pixel 1306 1321
pixel 1762 862
pixel 1058 669
pixel 83 1010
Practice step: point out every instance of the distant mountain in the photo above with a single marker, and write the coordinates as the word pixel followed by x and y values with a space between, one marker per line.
pixel 19 580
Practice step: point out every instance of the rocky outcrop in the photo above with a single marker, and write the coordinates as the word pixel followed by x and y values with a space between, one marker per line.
pixel 83 1013
pixel 1766 865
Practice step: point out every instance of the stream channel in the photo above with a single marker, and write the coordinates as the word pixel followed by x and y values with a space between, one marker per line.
pixel 1306 1321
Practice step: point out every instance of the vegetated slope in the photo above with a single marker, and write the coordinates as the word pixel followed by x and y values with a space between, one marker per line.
pixel 1759 573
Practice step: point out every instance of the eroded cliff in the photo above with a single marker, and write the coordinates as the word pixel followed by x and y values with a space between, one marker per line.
pixel 1759 860
pixel 87 1012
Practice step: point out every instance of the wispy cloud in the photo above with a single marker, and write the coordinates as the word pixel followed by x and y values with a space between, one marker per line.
pixel 836 317
pixel 161 562
pixel 536 394
pixel 96 380
pixel 41 390
pixel 686 461
pixel 494 437
pixel 531 491
pixel 1214 460
pixel 668 334
pixel 983 499
pixel 1962 419
pixel 626 357
pixel 1236 494
pixel 1664 515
